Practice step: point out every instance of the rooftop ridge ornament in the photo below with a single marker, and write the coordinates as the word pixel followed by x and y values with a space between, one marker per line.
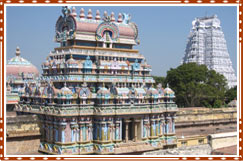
pixel 126 18
pixel 74 12
pixel 119 20
pixel 97 17
pixel 66 11
pixel 89 16
pixel 107 19
pixel 112 17
pixel 82 15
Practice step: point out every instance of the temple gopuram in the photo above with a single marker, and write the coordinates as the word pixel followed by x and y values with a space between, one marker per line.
pixel 18 72
pixel 96 94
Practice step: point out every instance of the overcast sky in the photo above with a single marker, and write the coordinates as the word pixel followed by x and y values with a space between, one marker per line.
pixel 163 31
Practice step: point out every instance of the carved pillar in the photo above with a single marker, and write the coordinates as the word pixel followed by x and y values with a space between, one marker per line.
pixel 173 123
pixel 161 126
pixel 81 126
pixel 102 131
pixel 55 132
pixel 157 127
pixel 73 126
pixel 47 136
pixel 135 132
pixel 126 122
pixel 136 129
pixel 63 127
pixel 42 130
pixel 167 124
pixel 117 129
pixel 152 127
pixel 108 128
pixel 90 129
pixel 86 131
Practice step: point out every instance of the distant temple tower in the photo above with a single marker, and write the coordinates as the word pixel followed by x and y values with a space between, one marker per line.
pixel 207 45
pixel 18 72
pixel 96 94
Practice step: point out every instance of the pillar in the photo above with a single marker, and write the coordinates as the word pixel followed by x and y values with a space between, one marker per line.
pixel 152 126
pixel 55 132
pixel 135 131
pixel 126 136
pixel 63 127
pixel 74 127
pixel 90 131
pixel 173 123
pixel 81 131
pixel 102 131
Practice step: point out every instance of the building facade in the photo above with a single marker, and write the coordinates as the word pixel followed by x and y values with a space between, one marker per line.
pixel 96 94
pixel 207 45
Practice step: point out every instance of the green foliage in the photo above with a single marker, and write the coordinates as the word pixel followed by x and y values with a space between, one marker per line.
pixel 195 85
pixel 159 80
pixel 217 104
pixel 231 94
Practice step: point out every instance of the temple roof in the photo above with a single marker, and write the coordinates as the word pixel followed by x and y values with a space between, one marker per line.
pixel 74 26
pixel 18 65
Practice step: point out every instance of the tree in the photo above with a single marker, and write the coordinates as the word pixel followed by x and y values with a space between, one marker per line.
pixel 158 80
pixel 231 94
pixel 195 85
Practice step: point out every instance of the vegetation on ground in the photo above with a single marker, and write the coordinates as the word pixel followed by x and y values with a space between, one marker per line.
pixel 197 86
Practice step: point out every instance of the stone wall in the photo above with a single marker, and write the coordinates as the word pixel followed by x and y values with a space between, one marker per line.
pixel 22 125
pixel 204 149
pixel 222 140
pixel 205 116
pixel 23 136
pixel 27 145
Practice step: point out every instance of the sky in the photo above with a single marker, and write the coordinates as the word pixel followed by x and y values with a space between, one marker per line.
pixel 162 30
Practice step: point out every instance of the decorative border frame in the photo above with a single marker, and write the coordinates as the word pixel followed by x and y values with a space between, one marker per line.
pixel 115 2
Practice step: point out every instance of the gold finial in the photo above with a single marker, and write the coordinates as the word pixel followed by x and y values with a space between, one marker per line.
pixel 17 52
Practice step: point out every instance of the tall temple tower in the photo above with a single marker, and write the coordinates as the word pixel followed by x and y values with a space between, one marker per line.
pixel 96 94
pixel 207 45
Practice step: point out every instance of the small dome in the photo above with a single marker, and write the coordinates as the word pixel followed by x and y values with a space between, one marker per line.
pixel 65 92
pixel 160 89
pixel 72 61
pixel 17 66
pixel 103 90
pixel 152 91
pixel 168 91
pixel 46 63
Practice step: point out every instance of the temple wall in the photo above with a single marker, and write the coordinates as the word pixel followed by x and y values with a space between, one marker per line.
pixel 187 117
pixel 222 140
pixel 21 145
pixel 27 125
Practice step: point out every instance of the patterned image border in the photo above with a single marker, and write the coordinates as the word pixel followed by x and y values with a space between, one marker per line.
pixel 58 2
